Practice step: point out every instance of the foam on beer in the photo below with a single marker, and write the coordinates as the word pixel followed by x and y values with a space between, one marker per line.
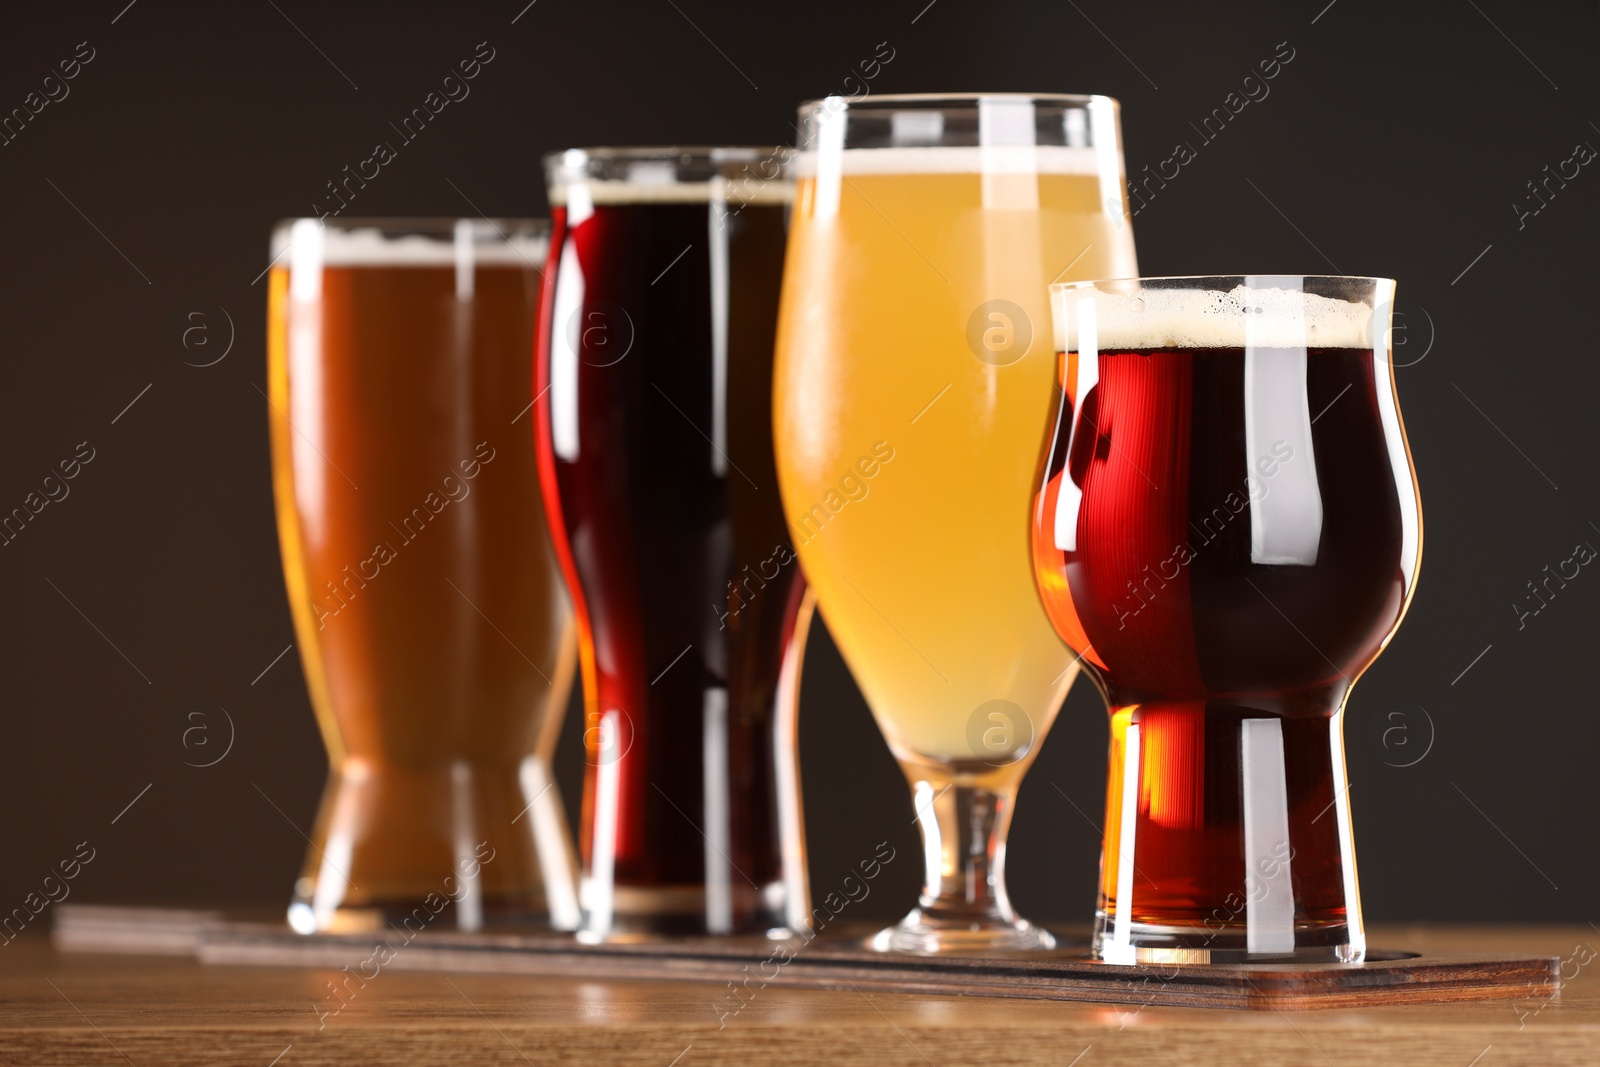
pixel 954 159
pixel 371 247
pixel 733 190
pixel 1198 318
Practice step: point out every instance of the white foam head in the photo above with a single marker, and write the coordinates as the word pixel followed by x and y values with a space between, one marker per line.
pixel 394 244
pixel 733 191
pixel 1128 317
pixel 662 176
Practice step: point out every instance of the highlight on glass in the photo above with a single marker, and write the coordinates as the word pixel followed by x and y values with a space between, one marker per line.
pixel 914 379
pixel 1228 533
pixel 436 637
pixel 654 429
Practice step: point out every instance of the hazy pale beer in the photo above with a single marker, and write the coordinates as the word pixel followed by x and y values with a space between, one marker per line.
pixel 655 431
pixel 435 634
pixel 880 339
pixel 914 369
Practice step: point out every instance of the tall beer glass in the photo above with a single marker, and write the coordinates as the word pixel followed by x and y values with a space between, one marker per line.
pixel 435 634
pixel 1228 531
pixel 914 365
pixel 655 444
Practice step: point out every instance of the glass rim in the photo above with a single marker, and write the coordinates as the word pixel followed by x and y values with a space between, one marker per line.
pixel 570 159
pixel 404 237
pixel 932 101
pixel 699 171
pixel 1239 278
pixel 1224 310
pixel 416 225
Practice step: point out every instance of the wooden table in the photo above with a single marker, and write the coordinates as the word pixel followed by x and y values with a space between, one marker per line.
pixel 85 1009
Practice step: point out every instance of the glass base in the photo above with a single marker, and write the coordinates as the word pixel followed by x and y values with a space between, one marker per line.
pixel 409 919
pixel 1151 943
pixel 448 846
pixel 625 914
pixel 670 932
pixel 920 933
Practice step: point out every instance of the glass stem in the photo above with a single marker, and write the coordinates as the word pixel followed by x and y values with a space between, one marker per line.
pixel 964 849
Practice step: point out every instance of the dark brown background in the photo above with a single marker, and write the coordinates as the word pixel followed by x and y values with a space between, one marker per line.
pixel 1395 143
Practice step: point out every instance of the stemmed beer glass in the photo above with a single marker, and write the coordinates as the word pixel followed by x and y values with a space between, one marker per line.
pixel 1228 533
pixel 914 376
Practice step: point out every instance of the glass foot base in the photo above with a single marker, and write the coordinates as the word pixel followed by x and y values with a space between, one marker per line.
pixel 439 846
pixel 410 918
pixel 1152 943
pixel 658 935
pixel 921 933
pixel 628 913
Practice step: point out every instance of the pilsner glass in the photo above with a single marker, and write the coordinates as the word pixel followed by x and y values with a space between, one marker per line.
pixel 655 444
pixel 436 637
pixel 1228 532
pixel 914 375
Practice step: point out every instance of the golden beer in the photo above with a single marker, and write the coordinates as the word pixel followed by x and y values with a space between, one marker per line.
pixel 436 635
pixel 925 580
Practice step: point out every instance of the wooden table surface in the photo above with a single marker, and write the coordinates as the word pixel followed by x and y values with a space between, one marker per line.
pixel 83 1009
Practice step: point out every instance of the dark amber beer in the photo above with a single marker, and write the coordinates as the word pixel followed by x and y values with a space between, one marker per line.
pixel 432 624
pixel 1228 533
pixel 655 438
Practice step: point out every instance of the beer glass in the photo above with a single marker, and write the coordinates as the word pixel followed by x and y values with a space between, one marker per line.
pixel 914 372
pixel 436 638
pixel 655 445
pixel 1228 532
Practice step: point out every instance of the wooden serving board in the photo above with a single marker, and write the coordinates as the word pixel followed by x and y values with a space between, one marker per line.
pixel 828 962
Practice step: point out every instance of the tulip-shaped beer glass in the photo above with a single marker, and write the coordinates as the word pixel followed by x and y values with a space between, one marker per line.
pixel 912 389
pixel 1228 534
